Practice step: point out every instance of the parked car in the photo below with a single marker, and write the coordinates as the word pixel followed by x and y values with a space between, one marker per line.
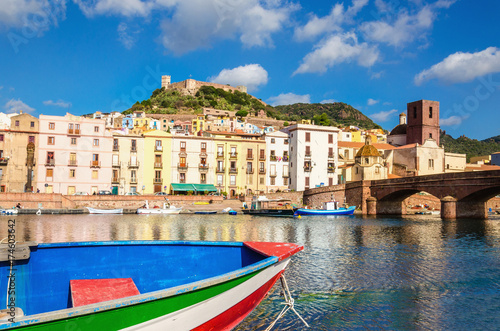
pixel 80 193
pixel 161 193
pixel 104 192
pixel 131 193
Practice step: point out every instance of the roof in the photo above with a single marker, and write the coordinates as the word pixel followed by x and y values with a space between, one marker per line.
pixel 481 167
pixel 368 150
pixel 407 146
pixel 399 129
pixel 182 187
pixel 391 176
pixel 353 144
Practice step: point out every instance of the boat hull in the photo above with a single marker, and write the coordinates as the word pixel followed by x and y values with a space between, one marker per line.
pixel 105 211
pixel 269 212
pixel 158 211
pixel 322 212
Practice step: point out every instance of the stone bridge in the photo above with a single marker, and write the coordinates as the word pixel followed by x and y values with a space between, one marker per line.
pixel 462 195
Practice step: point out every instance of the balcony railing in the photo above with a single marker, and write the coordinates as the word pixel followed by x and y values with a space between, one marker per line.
pixel 116 164
pixel 4 161
pixel 273 158
pixel 74 131
pixel 286 175
pixel 331 170
pixel 133 180
pixel 158 148
pixel 115 180
pixel 220 155
pixel 133 148
pixel 50 163
pixel 182 166
pixel 285 158
pixel 262 171
pixel 272 174
pixel 308 154
pixel 133 164
pixel 262 157
pixel 72 163
pixel 249 171
pixel 233 155
pixel 116 148
pixel 203 167
pixel 157 180
pixel 249 156
pixel 95 164
pixel 158 164
pixel 233 170
pixel 307 168
pixel 219 170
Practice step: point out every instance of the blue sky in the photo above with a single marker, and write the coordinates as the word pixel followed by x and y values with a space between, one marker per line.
pixel 81 56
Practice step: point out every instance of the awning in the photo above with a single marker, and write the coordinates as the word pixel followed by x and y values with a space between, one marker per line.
pixel 200 188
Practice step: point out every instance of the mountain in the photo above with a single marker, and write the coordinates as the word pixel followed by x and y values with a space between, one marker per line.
pixel 335 114
pixel 471 147
pixel 495 139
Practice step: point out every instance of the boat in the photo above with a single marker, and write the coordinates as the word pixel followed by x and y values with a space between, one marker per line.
pixel 105 211
pixel 167 209
pixel 497 211
pixel 10 211
pixel 206 212
pixel 329 208
pixel 262 206
pixel 138 285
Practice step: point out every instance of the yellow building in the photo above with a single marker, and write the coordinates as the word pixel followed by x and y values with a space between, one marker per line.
pixel 356 136
pixel 157 162
pixel 198 124
pixel 240 163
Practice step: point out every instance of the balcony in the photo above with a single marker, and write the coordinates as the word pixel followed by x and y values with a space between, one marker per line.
pixel 134 164
pixel 249 156
pixel 273 158
pixel 133 180
pixel 116 164
pixel 74 131
pixel 50 163
pixel 158 164
pixel 331 170
pixel 233 170
pixel 4 161
pixel 158 148
pixel 331 156
pixel 307 168
pixel 307 154
pixel 286 175
pixel 133 148
pixel 233 155
pixel 182 166
pixel 158 181
pixel 262 171
pixel 249 171
pixel 219 170
pixel 72 163
pixel 95 164
pixel 203 167
pixel 116 148
pixel 262 157
pixel 115 180
pixel 285 158
pixel 220 155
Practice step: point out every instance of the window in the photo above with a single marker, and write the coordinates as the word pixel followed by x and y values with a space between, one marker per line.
pixel 262 154
pixel 430 112
pixel 414 112
pixel 182 177
pixel 158 146
pixel 183 146
pixel 182 161
pixel 232 180
pixel 1 137
pixel 96 142
pixel 115 144
pixel 95 160
pixel 431 164
pixel 219 180
pixel 262 180
pixel 357 170
pixel 308 136
pixel 133 176
pixel 286 141
pixel 233 165
pixel 32 124
pixel 220 166
pixel 330 138
pixel 285 171
pixel 95 174
pixel 72 173
pixel 261 167
pixel 346 154
pixel 31 139
pixel 273 170
pixel 430 135
pixel 72 159
pixel 96 129
pixel 203 147
pixel 50 140
pixel 77 128
pixel 233 151
pixel 273 180
pixel 203 178
pixel 49 173
pixel 17 123
pixel 52 126
pixel 272 141
pixel 220 150
pixel 50 158
pixel 73 141
pixel 330 181
pixel 308 150
pixel 377 170
pixel 367 160
pixel 249 167
pixel 158 162
pixel 307 182
pixel 249 153
pixel 133 145
pixel 447 166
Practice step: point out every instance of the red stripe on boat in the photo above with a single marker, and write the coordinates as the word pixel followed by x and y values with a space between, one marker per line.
pixel 237 313
pixel 280 250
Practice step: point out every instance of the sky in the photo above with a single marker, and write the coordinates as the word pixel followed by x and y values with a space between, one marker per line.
pixel 81 56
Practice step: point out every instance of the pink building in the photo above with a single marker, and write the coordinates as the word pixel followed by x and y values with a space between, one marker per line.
pixel 74 155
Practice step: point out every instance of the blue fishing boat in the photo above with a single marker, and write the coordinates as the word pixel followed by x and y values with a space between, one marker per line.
pixel 329 208
pixel 137 285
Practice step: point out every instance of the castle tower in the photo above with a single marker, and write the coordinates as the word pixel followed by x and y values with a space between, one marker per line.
pixel 423 121
pixel 165 81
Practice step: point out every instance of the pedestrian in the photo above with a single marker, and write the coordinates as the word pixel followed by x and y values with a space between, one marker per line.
pixel 37 190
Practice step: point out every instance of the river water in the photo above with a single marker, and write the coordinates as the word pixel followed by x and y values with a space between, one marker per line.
pixel 354 273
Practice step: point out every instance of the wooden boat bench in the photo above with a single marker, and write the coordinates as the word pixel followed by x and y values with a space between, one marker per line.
pixel 89 291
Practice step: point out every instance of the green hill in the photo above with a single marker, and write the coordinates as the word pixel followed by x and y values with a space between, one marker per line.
pixel 335 114
pixel 495 139
pixel 471 147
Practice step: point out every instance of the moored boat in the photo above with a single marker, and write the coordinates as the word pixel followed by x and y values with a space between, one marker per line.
pixel 205 212
pixel 105 211
pixel 139 285
pixel 167 209
pixel 329 208
pixel 262 206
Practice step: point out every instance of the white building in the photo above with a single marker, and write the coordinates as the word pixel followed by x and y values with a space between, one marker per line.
pixel 313 156
pixel 277 154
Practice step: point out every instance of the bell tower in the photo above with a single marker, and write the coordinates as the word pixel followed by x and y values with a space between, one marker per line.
pixel 423 121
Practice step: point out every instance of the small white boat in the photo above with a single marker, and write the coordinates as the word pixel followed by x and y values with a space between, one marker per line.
pixel 11 211
pixel 105 211
pixel 167 209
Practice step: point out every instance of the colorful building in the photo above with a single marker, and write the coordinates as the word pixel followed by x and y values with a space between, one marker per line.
pixel 127 163
pixel 157 162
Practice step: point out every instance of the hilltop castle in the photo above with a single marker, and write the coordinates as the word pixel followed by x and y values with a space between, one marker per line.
pixel 191 86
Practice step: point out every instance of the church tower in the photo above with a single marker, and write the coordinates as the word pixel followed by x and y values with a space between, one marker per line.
pixel 423 121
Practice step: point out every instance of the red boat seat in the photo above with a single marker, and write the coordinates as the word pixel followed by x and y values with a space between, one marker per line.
pixel 89 291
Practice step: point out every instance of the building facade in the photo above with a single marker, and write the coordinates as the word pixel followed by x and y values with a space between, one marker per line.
pixel 423 121
pixel 127 162
pixel 278 165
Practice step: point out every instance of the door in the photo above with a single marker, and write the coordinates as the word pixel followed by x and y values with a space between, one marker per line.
pixel 71 190
pixel 49 189
pixel 114 190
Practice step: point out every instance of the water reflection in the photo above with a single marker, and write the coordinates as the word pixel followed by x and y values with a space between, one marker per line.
pixel 389 273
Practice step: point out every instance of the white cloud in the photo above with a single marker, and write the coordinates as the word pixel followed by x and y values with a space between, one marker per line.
pixel 328 101
pixel 126 36
pixel 198 23
pixel 452 120
pixel 58 103
pixel 337 49
pixel 406 27
pixel 317 26
pixel 250 75
pixel 115 7
pixel 13 106
pixel 462 67
pixel 289 98
pixel 382 116
pixel 38 15
pixel 377 75
pixel 372 102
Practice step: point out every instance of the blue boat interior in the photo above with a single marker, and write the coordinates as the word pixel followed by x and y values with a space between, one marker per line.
pixel 42 283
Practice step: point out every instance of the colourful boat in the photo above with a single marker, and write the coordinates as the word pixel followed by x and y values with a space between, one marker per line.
pixel 329 208
pixel 167 209
pixel 262 206
pixel 137 285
